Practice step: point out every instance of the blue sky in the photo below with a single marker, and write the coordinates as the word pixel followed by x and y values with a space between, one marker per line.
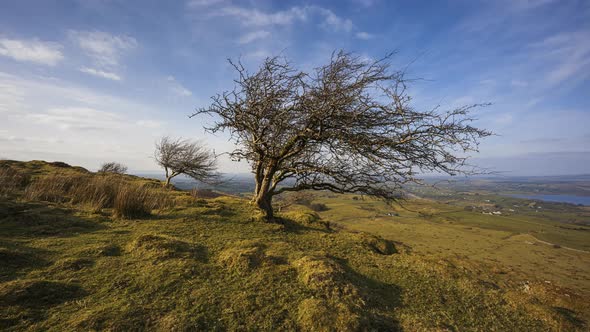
pixel 97 80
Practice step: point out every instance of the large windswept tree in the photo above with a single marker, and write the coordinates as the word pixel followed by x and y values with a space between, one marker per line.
pixel 346 127
pixel 179 156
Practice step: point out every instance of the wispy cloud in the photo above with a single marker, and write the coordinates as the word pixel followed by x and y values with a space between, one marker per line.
pixel 521 5
pixel 78 118
pixel 568 54
pixel 332 20
pixel 89 124
pixel 148 123
pixel 36 51
pixel 366 3
pixel 203 3
pixel 364 35
pixel 100 73
pixel 104 48
pixel 252 36
pixel 177 88
pixel 12 96
pixel 255 17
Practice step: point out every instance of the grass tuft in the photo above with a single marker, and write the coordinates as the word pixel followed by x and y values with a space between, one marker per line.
pixel 243 257
pixel 160 248
pixel 132 202
pixel 324 316
pixel 377 244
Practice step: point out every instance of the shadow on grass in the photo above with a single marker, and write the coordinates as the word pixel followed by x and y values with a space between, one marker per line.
pixel 28 300
pixel 30 220
pixel 381 299
pixel 17 259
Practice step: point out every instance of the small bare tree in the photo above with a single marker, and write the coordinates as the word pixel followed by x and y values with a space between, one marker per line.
pixel 112 167
pixel 178 156
pixel 347 127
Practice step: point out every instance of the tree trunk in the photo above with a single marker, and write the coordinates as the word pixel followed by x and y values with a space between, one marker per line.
pixel 264 192
pixel 264 202
pixel 168 177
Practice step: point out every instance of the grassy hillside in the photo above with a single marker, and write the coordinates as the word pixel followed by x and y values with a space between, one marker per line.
pixel 76 259
pixel 527 245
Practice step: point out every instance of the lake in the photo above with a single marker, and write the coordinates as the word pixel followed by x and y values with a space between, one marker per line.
pixel 573 199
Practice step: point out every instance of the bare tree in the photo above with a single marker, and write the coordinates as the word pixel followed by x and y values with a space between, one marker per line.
pixel 178 156
pixel 347 127
pixel 112 167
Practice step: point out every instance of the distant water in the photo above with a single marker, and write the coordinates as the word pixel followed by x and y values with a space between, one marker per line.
pixel 584 200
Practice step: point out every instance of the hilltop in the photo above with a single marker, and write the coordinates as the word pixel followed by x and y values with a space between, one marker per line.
pixel 87 251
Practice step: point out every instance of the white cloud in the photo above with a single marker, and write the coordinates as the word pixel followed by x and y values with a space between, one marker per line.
pixel 47 53
pixel 148 123
pixel 11 97
pixel 252 36
pixel 50 116
pixel 462 101
pixel 366 3
pixel 101 73
pixel 104 48
pixel 259 54
pixel 568 55
pixel 504 119
pixel 177 88
pixel 364 35
pixel 255 17
pixel 332 20
pixel 78 118
pixel 203 3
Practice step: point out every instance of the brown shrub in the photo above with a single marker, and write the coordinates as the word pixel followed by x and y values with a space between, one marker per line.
pixel 12 180
pixel 318 207
pixel 112 167
pixel 132 201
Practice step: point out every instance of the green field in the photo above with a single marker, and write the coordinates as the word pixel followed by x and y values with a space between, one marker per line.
pixel 527 245
pixel 210 264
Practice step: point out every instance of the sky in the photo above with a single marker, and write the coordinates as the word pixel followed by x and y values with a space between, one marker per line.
pixel 90 81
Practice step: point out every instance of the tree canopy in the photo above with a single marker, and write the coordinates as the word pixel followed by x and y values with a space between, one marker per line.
pixel 346 127
pixel 180 156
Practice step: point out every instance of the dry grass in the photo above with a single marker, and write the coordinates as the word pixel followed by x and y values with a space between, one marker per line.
pixel 131 202
pixel 127 199
pixel 12 181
